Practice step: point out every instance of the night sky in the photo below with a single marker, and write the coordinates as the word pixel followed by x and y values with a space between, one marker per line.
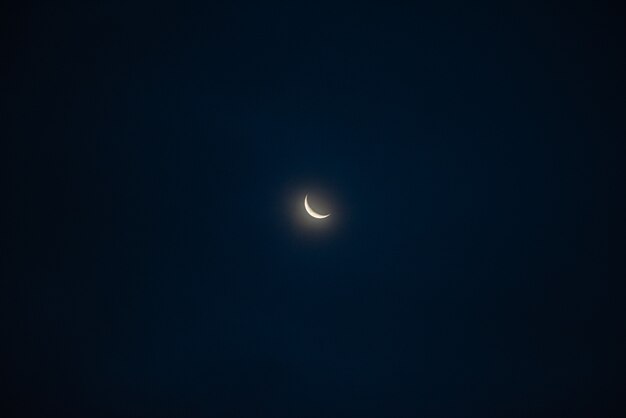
pixel 156 259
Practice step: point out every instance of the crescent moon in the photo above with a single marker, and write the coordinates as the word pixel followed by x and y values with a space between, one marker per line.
pixel 311 211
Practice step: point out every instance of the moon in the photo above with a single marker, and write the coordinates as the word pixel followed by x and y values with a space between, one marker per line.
pixel 311 211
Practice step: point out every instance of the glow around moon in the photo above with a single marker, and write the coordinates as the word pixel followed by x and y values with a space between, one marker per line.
pixel 311 211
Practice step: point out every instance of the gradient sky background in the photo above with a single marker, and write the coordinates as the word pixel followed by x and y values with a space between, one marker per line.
pixel 155 256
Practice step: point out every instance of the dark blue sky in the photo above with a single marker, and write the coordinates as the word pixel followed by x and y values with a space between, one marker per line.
pixel 156 260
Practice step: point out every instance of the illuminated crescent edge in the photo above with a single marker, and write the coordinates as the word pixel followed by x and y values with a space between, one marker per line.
pixel 311 211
